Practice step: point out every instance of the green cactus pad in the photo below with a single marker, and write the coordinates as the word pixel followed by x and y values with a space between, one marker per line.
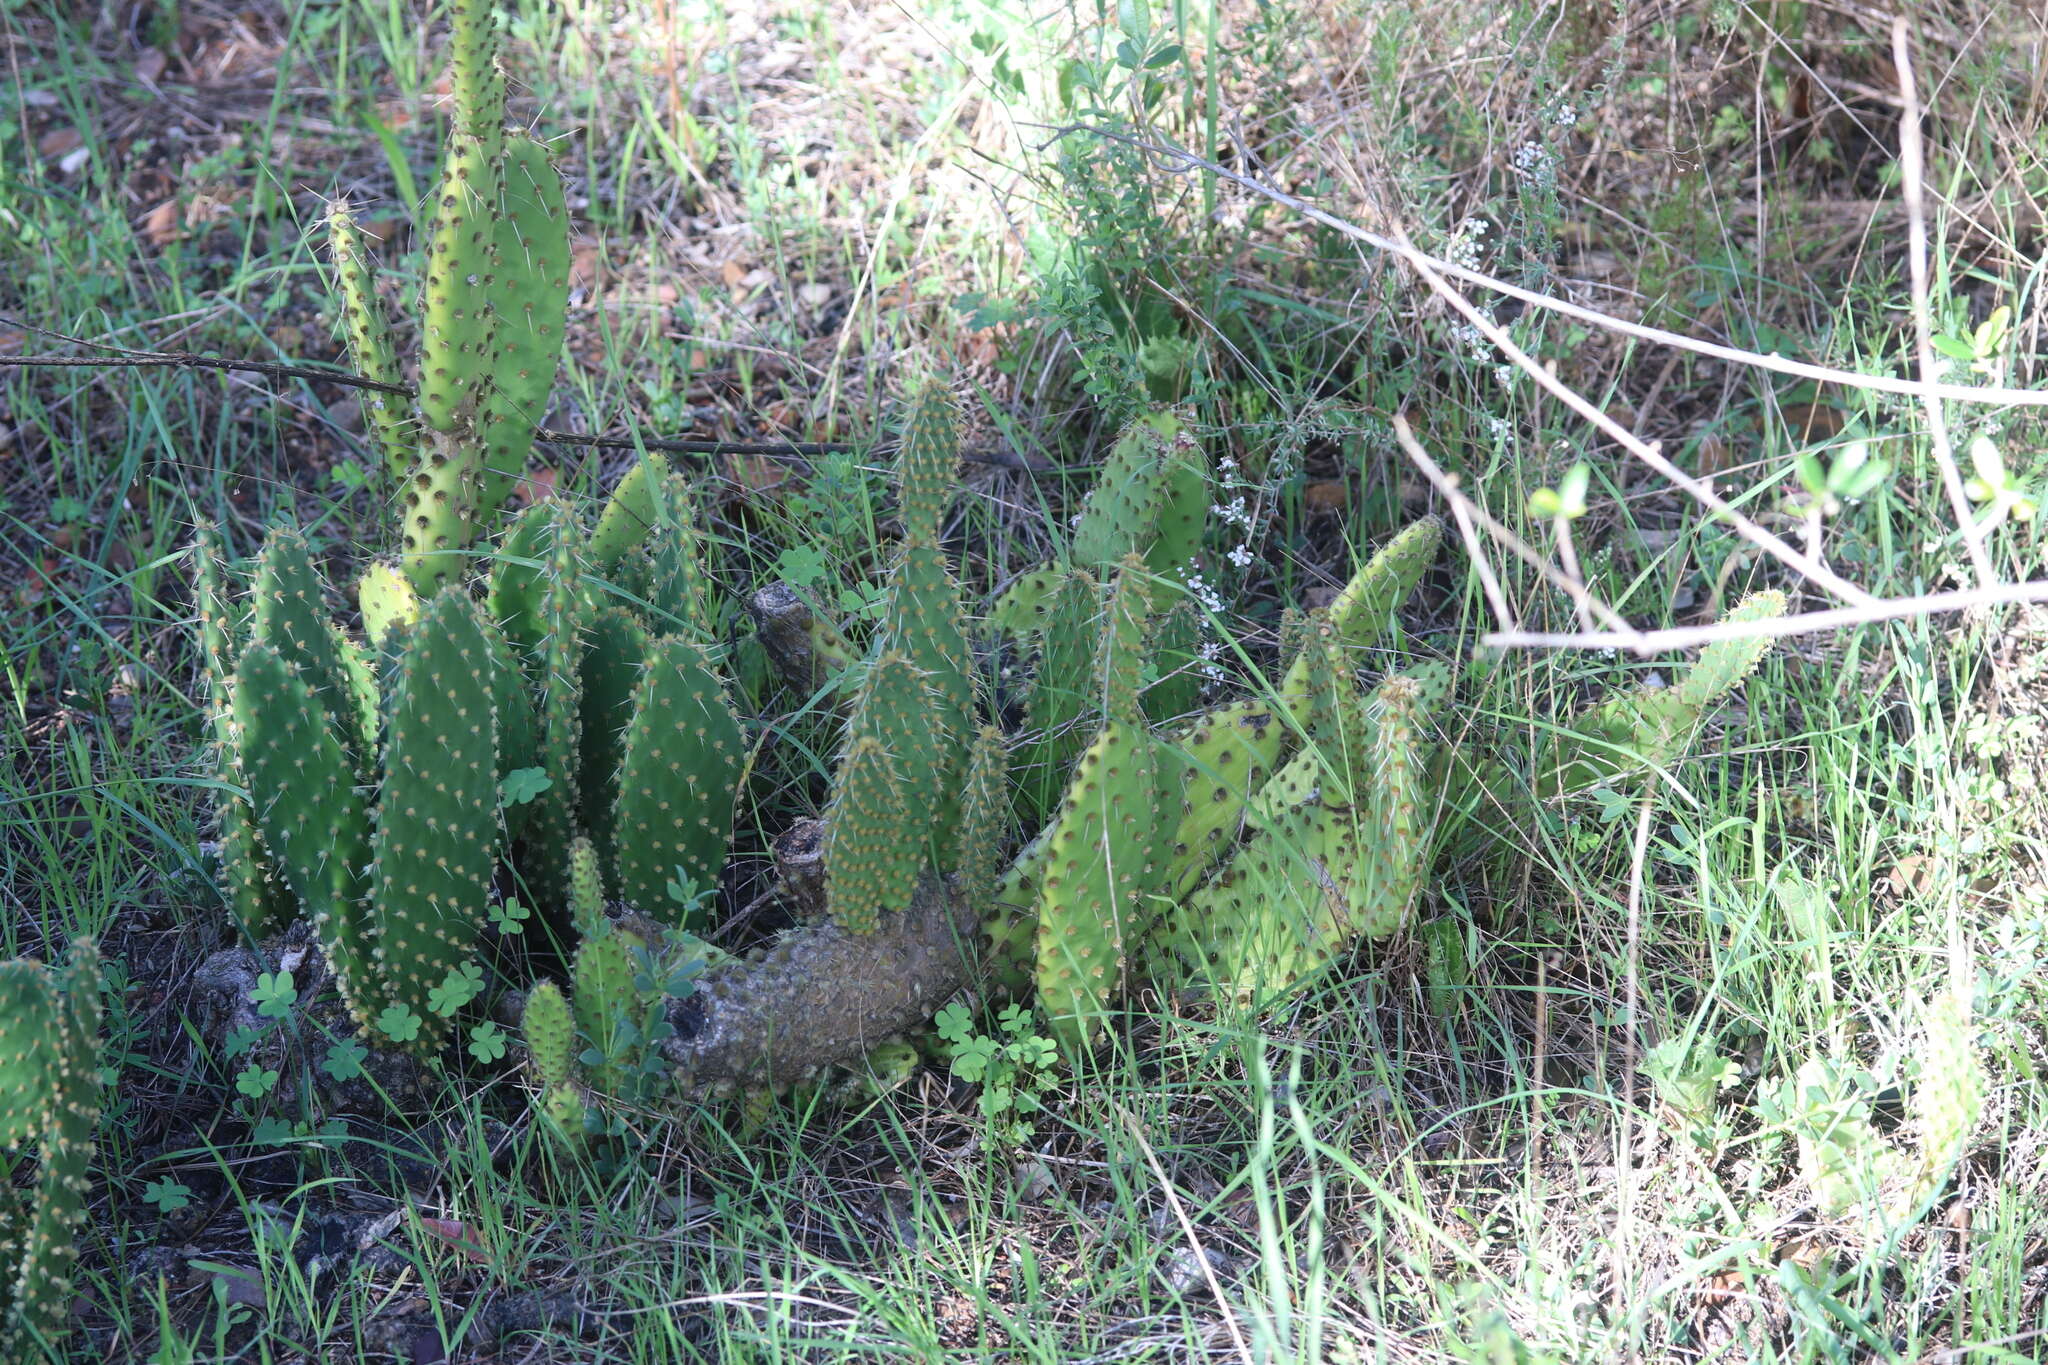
pixel 290 619
pixel 586 888
pixel 550 1033
pixel 38 1296
pixel 923 623
pixel 1101 863
pixel 984 818
pixel 478 84
pixel 1723 664
pixel 28 1020
pixel 614 648
pixel 518 583
pixel 629 513
pixel 684 761
pixel 387 600
pixel 1226 756
pixel 1122 510
pixel 871 860
pixel 1183 508
pixel 927 461
pixel 558 663
pixel 680 594
pixel 1176 663
pixel 370 347
pixel 457 344
pixel 1062 690
pixel 1365 607
pixel 254 894
pixel 530 249
pixel 509 699
pixel 303 791
pixel 436 827
pixel 1125 641
pixel 606 1002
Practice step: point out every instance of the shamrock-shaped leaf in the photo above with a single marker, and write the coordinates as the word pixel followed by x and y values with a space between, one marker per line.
pixel 274 995
pixel 486 1042
pixel 509 917
pixel 344 1061
pixel 458 988
pixel 399 1024
pixel 241 1040
pixel 521 785
pixel 167 1195
pixel 953 1023
pixel 256 1081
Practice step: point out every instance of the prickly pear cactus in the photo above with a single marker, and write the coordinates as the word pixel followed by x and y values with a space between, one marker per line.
pixel 49 1074
pixel 491 318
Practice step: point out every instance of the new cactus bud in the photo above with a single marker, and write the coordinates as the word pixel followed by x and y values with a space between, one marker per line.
pixel 550 1033
pixel 1949 1098
pixel 984 818
pixel 871 865
pixel 586 888
pixel 1723 664
pixel 608 1007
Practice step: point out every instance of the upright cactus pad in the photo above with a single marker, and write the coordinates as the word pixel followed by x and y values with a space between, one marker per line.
pixel 436 831
pixel 530 301
pixel 1723 664
pixel 558 662
pixel 871 864
pixel 685 755
pixel 41 1246
pixel 680 595
pixel 28 1010
pixel 926 463
pixel 479 86
pixel 1122 511
pixel 1226 756
pixel 303 789
pixel 629 513
pixel 550 1033
pixel 1365 607
pixel 586 888
pixel 1101 863
pixel 923 623
pixel 984 818
pixel 457 342
pixel 291 619
pixel 370 346
pixel 614 647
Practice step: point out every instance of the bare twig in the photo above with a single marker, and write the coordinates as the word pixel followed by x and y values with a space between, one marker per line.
pixel 1567 583
pixel 1805 623
pixel 1181 159
pixel 123 358
pixel 1912 173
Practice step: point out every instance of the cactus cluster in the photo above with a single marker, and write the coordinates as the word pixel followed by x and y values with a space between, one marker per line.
pixel 49 1095
pixel 490 325
pixel 372 766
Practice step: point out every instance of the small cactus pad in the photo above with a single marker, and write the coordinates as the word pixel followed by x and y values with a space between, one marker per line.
pixel 606 1002
pixel 1226 756
pixel 614 647
pixel 478 84
pixel 984 818
pixel 37 1296
pixel 387 600
pixel 436 829
pixel 290 619
pixel 1723 664
pixel 1122 510
pixel 370 347
pixel 550 1033
pixel 586 888
pixel 684 759
pixel 1365 607
pixel 629 513
pixel 559 664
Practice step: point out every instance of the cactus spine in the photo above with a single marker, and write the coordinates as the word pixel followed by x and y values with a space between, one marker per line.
pixel 49 1074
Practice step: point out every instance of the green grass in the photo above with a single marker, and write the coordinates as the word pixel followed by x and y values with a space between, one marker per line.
pixel 1455 1147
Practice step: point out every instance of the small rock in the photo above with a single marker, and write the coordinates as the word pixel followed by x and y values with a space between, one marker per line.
pixel 1189 1268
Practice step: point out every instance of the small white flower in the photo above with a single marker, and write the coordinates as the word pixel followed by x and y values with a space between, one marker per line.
pixel 1241 556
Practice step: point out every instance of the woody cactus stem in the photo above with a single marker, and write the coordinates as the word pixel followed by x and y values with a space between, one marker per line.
pixel 49 1094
